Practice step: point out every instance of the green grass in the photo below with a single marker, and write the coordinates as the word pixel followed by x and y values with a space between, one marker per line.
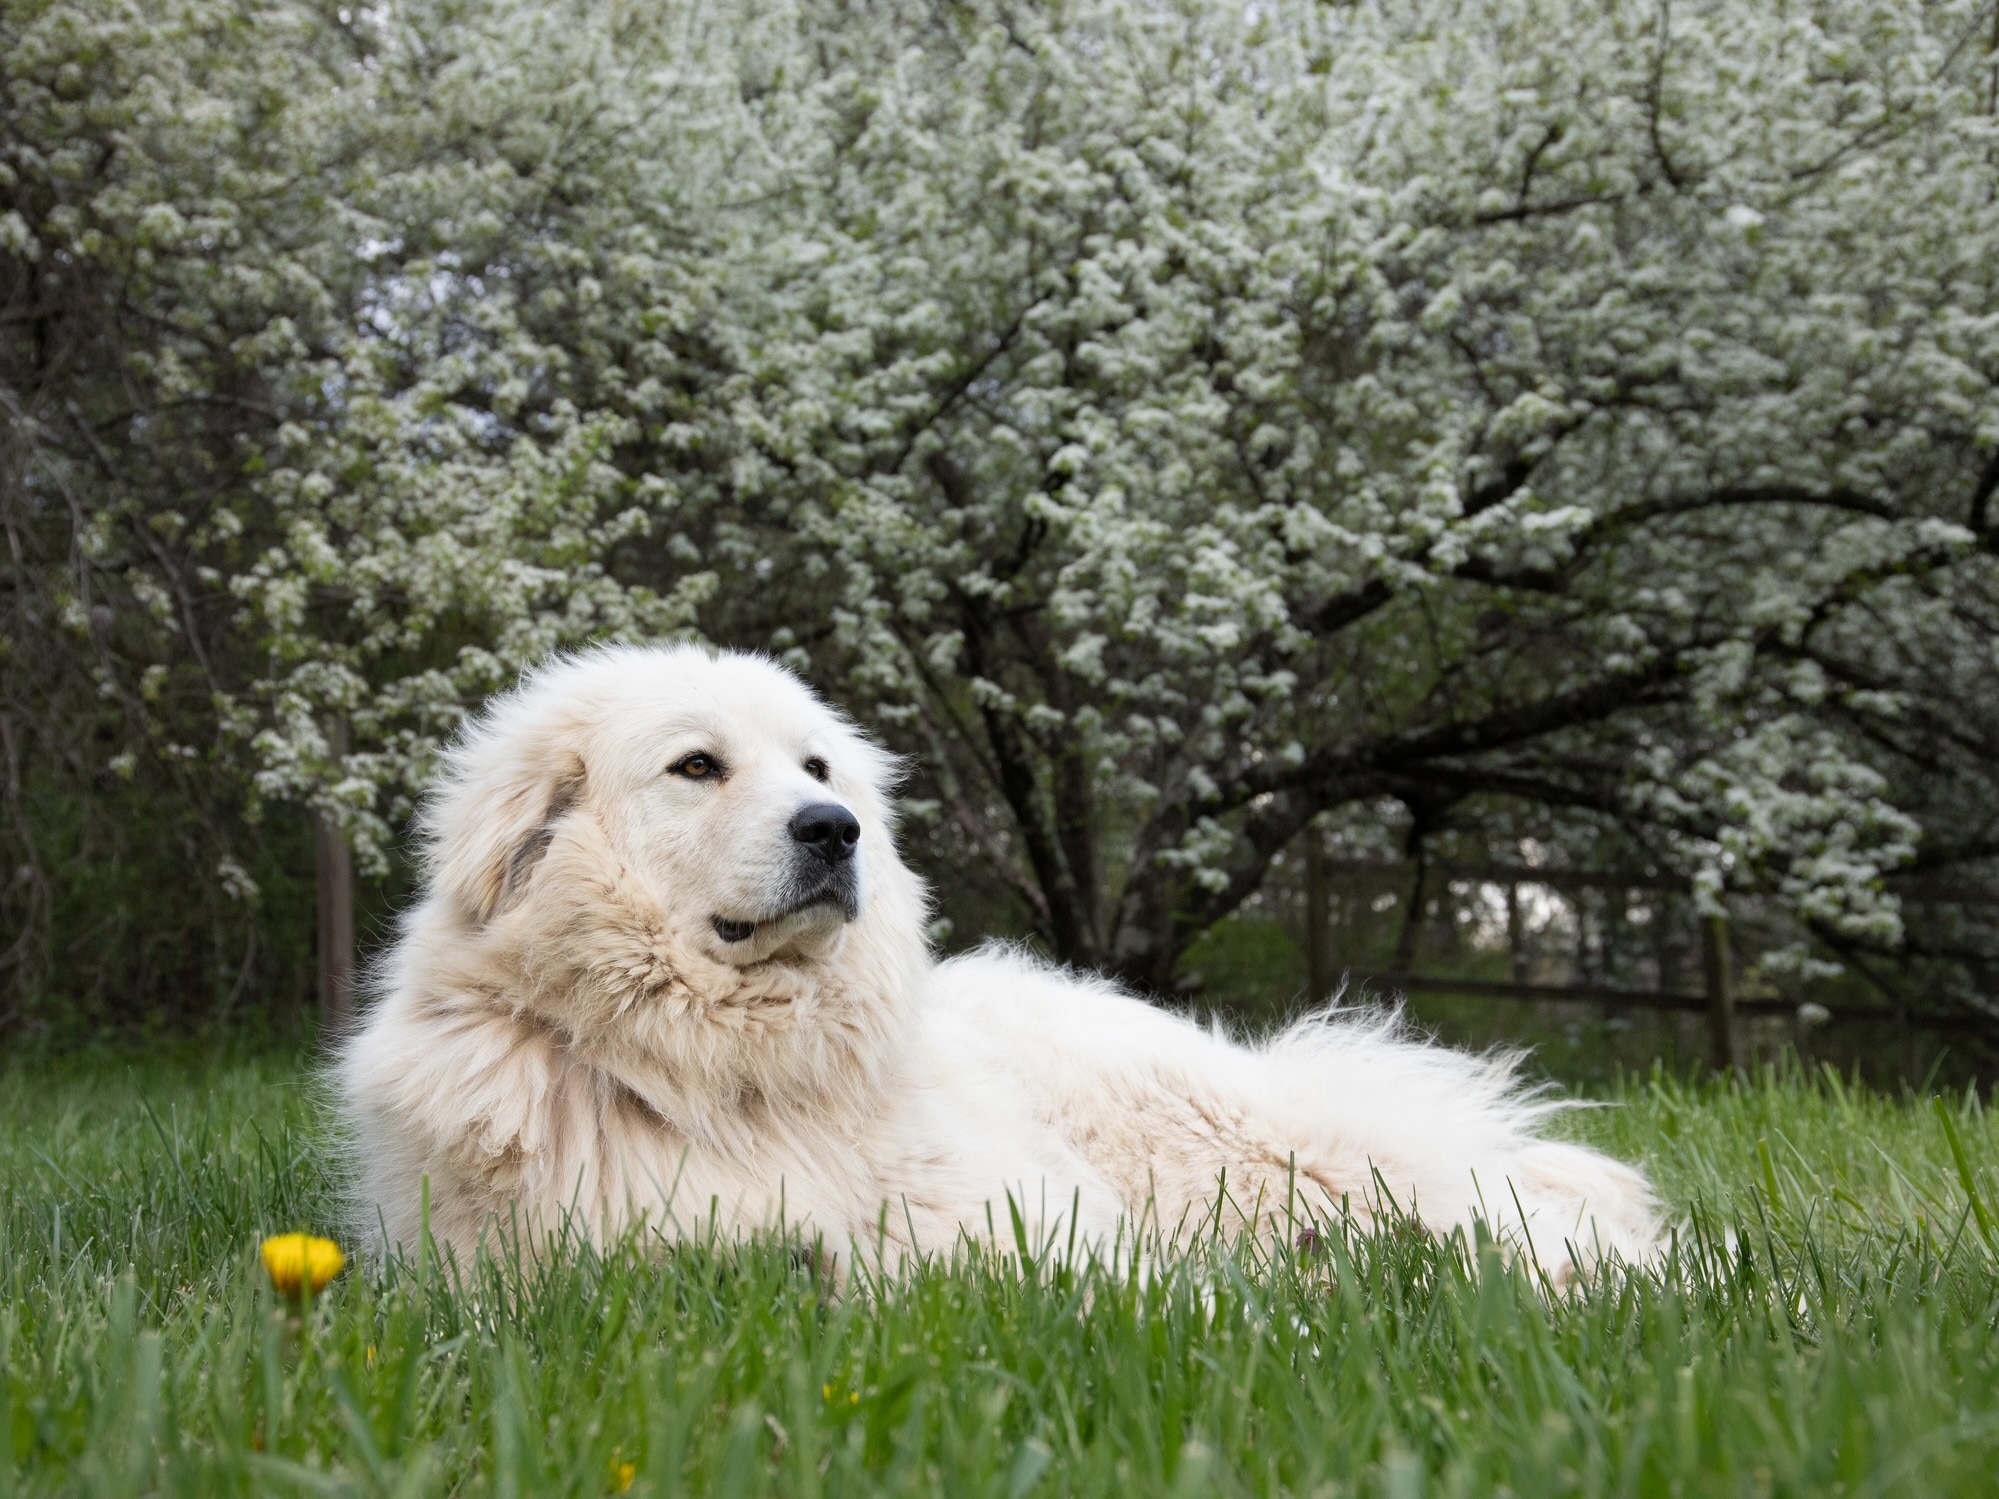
pixel 1830 1328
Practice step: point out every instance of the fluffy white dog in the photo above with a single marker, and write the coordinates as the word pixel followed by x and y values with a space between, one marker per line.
pixel 670 970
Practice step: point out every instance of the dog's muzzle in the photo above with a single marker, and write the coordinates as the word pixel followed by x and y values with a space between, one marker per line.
pixel 824 870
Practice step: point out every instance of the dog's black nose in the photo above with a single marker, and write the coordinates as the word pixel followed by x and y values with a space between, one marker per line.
pixel 828 829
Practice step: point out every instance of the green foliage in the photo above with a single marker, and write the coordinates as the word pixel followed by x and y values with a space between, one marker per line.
pixel 1171 424
pixel 117 862
pixel 1826 1326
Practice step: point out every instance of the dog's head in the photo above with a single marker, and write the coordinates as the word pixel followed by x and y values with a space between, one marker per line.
pixel 708 797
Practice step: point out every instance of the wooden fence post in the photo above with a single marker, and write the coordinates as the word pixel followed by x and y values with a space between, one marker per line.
pixel 1318 918
pixel 1516 935
pixel 1412 919
pixel 1720 991
pixel 334 859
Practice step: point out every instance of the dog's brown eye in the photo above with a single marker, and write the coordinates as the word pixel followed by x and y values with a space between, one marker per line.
pixel 816 768
pixel 698 767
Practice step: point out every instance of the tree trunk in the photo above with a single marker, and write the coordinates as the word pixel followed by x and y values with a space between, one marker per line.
pixel 1516 936
pixel 1414 916
pixel 335 861
pixel 1720 991
pixel 1318 919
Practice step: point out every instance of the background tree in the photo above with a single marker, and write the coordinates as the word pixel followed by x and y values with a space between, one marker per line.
pixel 1169 423
pixel 1213 418
pixel 322 340
pixel 156 251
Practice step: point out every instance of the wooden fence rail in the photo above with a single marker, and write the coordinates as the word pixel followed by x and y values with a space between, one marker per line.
pixel 1717 999
pixel 1649 999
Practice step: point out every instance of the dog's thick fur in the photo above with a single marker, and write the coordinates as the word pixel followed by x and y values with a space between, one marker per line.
pixel 564 1031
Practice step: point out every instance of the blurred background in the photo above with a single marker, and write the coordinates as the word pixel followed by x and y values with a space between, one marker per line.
pixel 1479 501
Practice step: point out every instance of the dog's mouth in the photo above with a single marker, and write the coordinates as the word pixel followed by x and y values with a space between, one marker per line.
pixel 825 902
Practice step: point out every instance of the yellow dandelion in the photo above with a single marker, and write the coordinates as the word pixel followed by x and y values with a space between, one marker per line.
pixel 622 1476
pixel 296 1261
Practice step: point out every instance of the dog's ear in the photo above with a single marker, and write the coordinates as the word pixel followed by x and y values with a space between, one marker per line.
pixel 489 832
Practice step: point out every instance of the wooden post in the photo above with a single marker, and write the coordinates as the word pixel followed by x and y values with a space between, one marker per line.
pixel 1318 919
pixel 335 876
pixel 1516 935
pixel 1584 970
pixel 1412 919
pixel 1720 991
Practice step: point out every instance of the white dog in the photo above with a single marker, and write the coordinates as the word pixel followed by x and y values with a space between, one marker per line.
pixel 670 970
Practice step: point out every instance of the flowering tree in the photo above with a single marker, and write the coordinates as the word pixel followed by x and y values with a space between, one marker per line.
pixel 1171 423
pixel 155 251
pixel 1209 418
pixel 340 356
pixel 478 464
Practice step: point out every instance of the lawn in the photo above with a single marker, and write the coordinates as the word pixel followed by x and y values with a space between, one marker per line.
pixel 1829 1327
